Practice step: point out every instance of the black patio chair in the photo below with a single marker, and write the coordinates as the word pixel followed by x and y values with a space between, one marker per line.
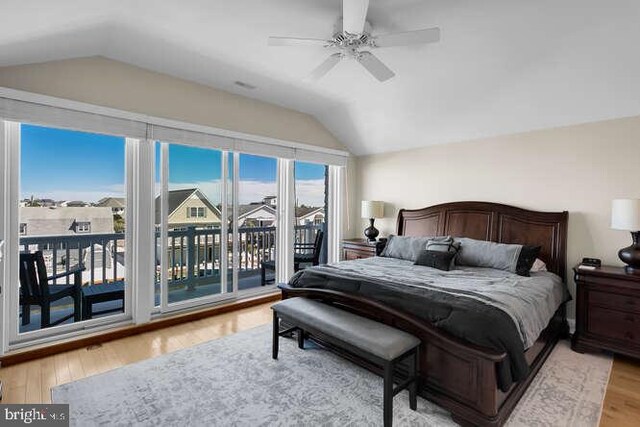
pixel 300 260
pixel 36 290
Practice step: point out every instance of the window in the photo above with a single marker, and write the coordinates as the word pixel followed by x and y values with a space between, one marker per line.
pixel 196 212
pixel 83 227
pixel 64 178
pixel 310 198
pixel 189 251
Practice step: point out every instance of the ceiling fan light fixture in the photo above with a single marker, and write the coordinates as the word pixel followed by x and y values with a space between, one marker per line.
pixel 353 39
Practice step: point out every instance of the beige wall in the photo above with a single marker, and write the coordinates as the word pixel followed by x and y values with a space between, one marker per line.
pixel 179 216
pixel 109 83
pixel 579 169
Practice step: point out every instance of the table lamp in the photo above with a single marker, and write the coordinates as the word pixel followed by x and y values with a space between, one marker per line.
pixel 372 210
pixel 625 215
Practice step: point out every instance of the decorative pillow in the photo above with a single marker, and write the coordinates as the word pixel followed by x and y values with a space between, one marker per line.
pixel 501 256
pixel 404 247
pixel 442 260
pixel 444 244
pixel 528 256
pixel 538 265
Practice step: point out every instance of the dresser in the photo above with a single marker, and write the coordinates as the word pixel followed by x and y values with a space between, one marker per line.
pixel 361 248
pixel 607 311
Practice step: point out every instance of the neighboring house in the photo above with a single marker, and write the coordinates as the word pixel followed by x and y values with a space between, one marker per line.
pixel 74 204
pixel 270 201
pixel 256 215
pixel 189 207
pixel 116 204
pixel 309 215
pixel 264 214
pixel 64 221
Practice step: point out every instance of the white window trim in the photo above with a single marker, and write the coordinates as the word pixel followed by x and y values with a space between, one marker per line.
pixel 336 211
pixel 46 110
pixel 285 220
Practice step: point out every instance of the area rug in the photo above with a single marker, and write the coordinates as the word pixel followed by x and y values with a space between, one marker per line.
pixel 234 381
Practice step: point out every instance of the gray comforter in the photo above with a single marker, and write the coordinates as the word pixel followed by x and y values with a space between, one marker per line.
pixel 488 307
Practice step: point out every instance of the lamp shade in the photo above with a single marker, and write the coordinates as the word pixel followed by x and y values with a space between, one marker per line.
pixel 625 214
pixel 372 209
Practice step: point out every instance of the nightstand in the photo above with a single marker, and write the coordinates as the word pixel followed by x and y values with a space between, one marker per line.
pixel 607 311
pixel 361 248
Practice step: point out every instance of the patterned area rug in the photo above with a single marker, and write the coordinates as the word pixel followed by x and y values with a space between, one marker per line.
pixel 234 381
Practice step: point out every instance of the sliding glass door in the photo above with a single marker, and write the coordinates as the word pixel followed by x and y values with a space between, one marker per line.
pixel 257 221
pixel 191 225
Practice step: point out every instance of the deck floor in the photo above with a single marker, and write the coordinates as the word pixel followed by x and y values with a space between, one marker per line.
pixel 64 307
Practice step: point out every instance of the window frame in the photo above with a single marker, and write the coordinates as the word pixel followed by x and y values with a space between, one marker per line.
pixel 140 131
pixel 83 227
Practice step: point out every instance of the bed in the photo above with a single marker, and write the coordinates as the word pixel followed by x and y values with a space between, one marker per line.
pixel 470 380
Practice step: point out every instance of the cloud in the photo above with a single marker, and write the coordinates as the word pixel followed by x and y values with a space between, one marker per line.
pixel 308 192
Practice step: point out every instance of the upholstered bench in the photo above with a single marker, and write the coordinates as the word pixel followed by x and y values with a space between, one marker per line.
pixel 376 342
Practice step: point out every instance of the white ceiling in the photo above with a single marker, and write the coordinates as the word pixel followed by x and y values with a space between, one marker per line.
pixel 503 66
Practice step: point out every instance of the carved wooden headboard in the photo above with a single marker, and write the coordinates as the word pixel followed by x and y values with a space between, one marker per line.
pixel 494 222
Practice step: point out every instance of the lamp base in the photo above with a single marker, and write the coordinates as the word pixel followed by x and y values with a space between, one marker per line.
pixel 631 254
pixel 371 233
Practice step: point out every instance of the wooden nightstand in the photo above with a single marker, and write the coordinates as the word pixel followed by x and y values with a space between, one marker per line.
pixel 607 311
pixel 360 248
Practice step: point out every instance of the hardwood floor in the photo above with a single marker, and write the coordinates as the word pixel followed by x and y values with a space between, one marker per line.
pixel 622 401
pixel 31 381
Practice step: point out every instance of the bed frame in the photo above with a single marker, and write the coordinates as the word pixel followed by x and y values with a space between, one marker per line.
pixel 455 374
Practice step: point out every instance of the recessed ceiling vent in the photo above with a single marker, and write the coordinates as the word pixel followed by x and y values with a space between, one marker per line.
pixel 244 85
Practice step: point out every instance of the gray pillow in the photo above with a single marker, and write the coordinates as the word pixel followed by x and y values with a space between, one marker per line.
pixel 404 247
pixel 481 253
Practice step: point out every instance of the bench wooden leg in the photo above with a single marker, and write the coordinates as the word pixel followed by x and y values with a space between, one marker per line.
pixel 388 394
pixel 413 387
pixel 301 338
pixel 276 335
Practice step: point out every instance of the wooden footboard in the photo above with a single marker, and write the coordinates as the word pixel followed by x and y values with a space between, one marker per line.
pixel 459 376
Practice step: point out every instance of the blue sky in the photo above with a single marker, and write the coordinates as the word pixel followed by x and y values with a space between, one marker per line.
pixel 70 165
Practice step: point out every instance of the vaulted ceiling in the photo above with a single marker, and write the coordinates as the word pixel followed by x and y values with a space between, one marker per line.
pixel 502 66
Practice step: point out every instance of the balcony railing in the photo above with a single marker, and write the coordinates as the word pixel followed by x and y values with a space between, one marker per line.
pixel 193 254
pixel 192 260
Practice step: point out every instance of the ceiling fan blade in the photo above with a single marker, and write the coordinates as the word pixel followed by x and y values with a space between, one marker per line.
pixel 296 41
pixel 325 67
pixel 354 15
pixel 429 35
pixel 375 66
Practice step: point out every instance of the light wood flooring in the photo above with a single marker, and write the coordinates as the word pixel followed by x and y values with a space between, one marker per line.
pixel 31 381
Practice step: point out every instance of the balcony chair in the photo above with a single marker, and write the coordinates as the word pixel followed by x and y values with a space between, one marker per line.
pixel 299 260
pixel 36 290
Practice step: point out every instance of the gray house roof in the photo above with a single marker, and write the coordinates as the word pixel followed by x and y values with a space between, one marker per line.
pixel 42 221
pixel 111 202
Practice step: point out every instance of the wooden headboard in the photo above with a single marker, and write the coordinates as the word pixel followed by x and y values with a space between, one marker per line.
pixel 494 222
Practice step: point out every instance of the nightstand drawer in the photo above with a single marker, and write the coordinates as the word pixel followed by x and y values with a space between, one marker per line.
pixel 615 301
pixel 357 249
pixel 614 324
pixel 350 254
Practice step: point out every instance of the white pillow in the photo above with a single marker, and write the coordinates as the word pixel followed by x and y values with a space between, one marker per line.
pixel 538 265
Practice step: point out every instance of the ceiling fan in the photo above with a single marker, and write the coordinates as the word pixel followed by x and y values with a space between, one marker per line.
pixel 353 39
